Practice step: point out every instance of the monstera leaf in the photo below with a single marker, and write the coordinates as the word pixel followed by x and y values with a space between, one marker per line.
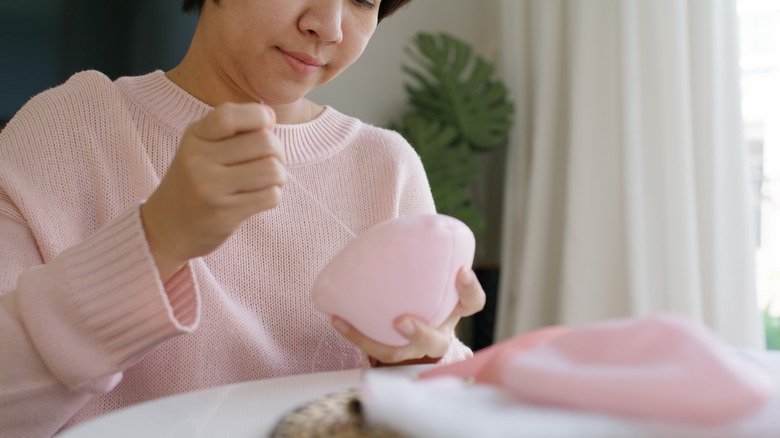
pixel 456 87
pixel 450 165
pixel 772 329
pixel 457 108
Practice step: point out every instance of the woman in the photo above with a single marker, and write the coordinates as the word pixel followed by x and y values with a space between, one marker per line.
pixel 151 245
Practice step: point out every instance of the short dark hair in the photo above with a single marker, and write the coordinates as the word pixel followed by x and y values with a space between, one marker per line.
pixel 386 7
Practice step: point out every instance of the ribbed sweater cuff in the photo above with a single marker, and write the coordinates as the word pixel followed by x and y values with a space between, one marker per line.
pixel 457 352
pixel 98 307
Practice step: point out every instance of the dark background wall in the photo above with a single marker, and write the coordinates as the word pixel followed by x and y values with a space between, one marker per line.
pixel 43 42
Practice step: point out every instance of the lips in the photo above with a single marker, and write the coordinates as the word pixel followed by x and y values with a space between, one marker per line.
pixel 302 63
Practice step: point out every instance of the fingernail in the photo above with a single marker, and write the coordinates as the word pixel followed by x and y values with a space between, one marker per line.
pixel 466 276
pixel 406 327
pixel 340 325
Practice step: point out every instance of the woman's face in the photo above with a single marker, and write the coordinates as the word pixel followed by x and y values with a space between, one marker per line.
pixel 276 51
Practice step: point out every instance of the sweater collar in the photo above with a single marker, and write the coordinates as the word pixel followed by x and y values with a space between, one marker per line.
pixel 304 143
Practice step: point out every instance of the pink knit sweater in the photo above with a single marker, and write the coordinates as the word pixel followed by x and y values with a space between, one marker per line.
pixel 87 327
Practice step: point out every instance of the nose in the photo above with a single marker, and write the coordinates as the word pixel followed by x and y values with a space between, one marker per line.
pixel 323 19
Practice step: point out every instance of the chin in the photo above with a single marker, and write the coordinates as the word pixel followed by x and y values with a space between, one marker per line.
pixel 284 94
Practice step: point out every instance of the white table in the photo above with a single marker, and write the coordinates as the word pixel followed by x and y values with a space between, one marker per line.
pixel 249 409
pixel 252 410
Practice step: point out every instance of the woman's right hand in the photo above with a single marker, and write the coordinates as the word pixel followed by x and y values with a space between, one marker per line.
pixel 229 166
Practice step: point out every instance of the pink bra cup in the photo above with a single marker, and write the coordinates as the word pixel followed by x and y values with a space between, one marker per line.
pixel 657 367
pixel 404 266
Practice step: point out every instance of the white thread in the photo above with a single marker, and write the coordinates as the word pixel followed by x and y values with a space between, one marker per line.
pixel 311 196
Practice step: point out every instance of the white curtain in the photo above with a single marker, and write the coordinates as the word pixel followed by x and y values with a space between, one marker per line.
pixel 627 186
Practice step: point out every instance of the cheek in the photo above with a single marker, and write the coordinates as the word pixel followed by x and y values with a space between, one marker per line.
pixel 356 49
pixel 228 43
pixel 353 47
pixel 348 54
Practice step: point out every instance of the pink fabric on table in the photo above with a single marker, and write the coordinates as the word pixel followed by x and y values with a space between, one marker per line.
pixel 482 367
pixel 660 367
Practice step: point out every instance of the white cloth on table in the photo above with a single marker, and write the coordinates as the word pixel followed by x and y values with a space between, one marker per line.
pixel 452 407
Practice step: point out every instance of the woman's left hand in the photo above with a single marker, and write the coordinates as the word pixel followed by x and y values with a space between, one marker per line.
pixel 426 344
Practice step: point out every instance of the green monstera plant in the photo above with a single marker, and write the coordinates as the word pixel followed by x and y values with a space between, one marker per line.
pixel 457 109
pixel 771 329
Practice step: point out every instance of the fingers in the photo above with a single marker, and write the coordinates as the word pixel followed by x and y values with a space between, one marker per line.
pixel 386 354
pixel 255 175
pixel 246 147
pixel 230 119
pixel 251 160
pixel 252 202
pixel 424 341
pixel 237 133
pixel 427 341
pixel 383 353
pixel 472 296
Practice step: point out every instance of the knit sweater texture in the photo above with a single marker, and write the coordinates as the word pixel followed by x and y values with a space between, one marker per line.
pixel 86 325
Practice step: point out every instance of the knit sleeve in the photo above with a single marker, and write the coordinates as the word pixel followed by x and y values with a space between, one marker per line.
pixel 69 327
pixel 415 196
